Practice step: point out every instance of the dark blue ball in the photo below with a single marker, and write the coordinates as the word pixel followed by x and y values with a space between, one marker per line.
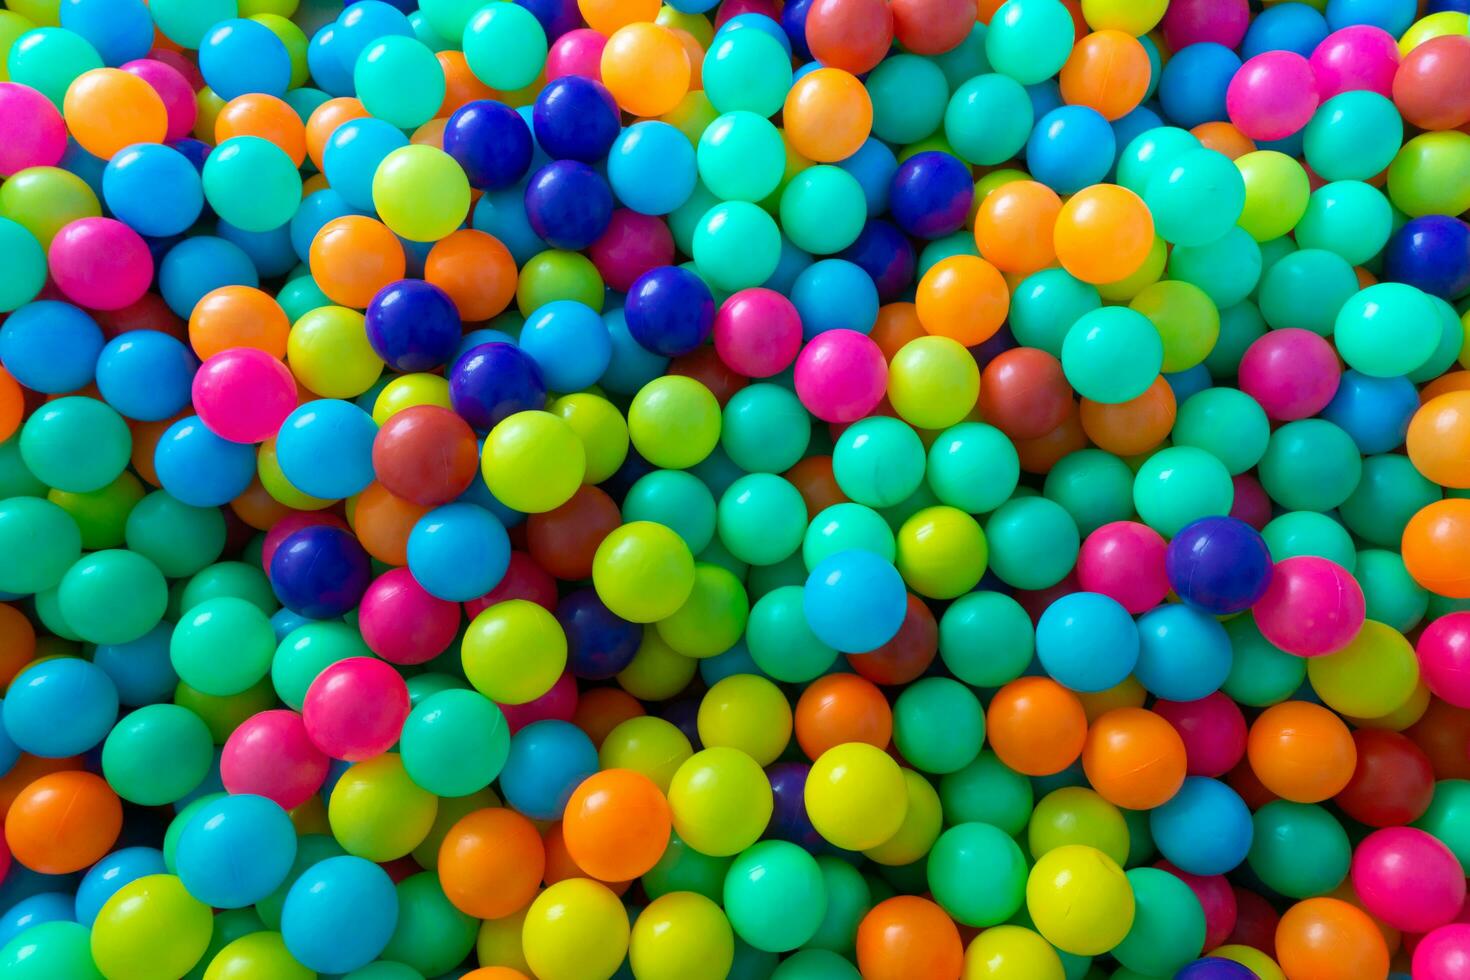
pixel 491 142
pixel 320 572
pixel 1192 85
pixel 413 325
pixel 195 151
pixel 599 644
pixel 568 204
pixel 556 16
pixel 670 311
pixel 885 254
pixel 793 22
pixel 931 193
pixel 1214 968
pixel 494 381
pixel 1432 253
pixel 789 820
pixel 575 118
pixel 1220 565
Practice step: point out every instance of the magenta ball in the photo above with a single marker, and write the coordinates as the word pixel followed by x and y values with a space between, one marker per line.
pixel 557 704
pixel 1408 879
pixel 1444 658
pixel 243 394
pixel 403 623
pixel 1292 373
pixel 1312 607
pixel 32 133
pixel 355 708
pixel 1124 561
pixel 1213 730
pixel 100 263
pixel 270 755
pixel 841 376
pixel 757 332
pixel 632 245
pixel 1443 954
pixel 1361 57
pixel 1252 503
pixel 1196 21
pixel 175 91
pixel 1272 96
pixel 576 52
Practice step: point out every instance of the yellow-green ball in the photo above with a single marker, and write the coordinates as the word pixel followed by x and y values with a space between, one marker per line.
pixel 576 928
pixel 533 462
pixel 151 927
pixel 681 935
pixel 421 193
pixel 746 712
pixel 642 571
pixel 674 422
pixel 514 651
pixel 658 671
pixel 933 382
pixel 1077 815
pixel 648 745
pixel 377 812
pixel 923 819
pixel 600 426
pixel 941 552
pixel 257 956
pixel 721 801
pixel 856 796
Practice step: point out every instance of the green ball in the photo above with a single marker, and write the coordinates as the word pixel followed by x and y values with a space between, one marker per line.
pixel 222 646
pixel 16 479
pixel 251 183
pixel 878 461
pixel 552 275
pixel 1179 485
pixel 504 46
pixel 102 515
pixel 1352 136
pixel 178 538
pixel 1226 423
pixel 986 639
pixel 1299 849
pixel 310 849
pixel 1240 326
pixel 436 733
pixel 300 296
pixel 973 466
pixel 1168 928
pixel 736 245
pixel 1427 175
pixel 1348 217
pixel 712 619
pixel 823 209
pixel 1195 198
pixel 1094 486
pixel 938 725
pixel 1046 304
pixel 683 869
pixel 678 500
pixel 432 936
pixel 966 60
pixel 844 527
pixel 25 265
pixel 1261 673
pixel 39 542
pixel 1112 354
pixel 765 429
pixel 76 444
pixel 112 596
pixel 848 900
pixel 746 70
pixel 1033 542
pixel 987 792
pixel 780 642
pixel 399 80
pixel 775 896
pixel 1226 269
pixel 1390 592
pixel 229 925
pixel 1451 340
pixel 48 951
pixel 1276 193
pixel 977 874
pixel 1030 42
pixel 230 578
pixel 1306 289
pixel 1310 464
pixel 1448 818
pixel 1305 532
pixel 157 755
pixel 1387 329
pixel 684 219
pixel 988 119
pixel 815 964
pixel 49 59
pixel 741 157
pixel 909 96
pixel 761 519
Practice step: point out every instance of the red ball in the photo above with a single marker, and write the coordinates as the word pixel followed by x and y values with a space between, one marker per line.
pixel 932 26
pixel 905 657
pixel 563 541
pixel 1429 87
pixel 853 35
pixel 1392 783
pixel 524 579
pixel 426 455
pixel 1024 393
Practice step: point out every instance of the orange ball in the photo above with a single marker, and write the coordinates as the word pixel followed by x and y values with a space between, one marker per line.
pixel 695 52
pixel 616 825
pixel 382 523
pixel 477 272
pixel 897 324
pixel 1222 137
pixel 1039 455
pixel 63 822
pixel 907 937
pixel 257 508
pixel 324 121
pixel 1439 439
pixel 353 257
pixel 1131 427
pixel 828 115
pixel 1436 547
pixel 1444 384
pixel 107 109
pixel 964 298
pixel 1134 758
pixel 494 973
pixel 238 316
pixel 460 84
pixel 814 480
pixel 1328 939
pixel 606 16
pixel 1301 751
pixel 602 709
pixel 1036 726
pixel 12 405
pixel 560 865
pixel 146 436
pixel 17 643
pixel 1107 71
pixel 1013 226
pixel 646 68
pixel 1443 732
pixel 491 863
pixel 841 708
pixel 564 540
pixel 1103 233
pixel 265 116
pixel 28 769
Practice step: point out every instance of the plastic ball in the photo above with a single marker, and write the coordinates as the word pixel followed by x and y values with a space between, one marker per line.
pixel 720 800
pixel 221 830
pixel 152 922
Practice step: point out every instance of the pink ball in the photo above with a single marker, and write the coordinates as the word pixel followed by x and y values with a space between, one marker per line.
pixel 270 755
pixel 524 579
pixel 1357 57
pixel 1408 879
pixel 1217 899
pixel 1124 561
pixel 1443 954
pixel 1312 607
pixel 757 332
pixel 734 8
pixel 1213 730
pixel 1252 504
pixel 355 708
pixel 559 704
pixel 576 52
pixel 1293 373
pixel 32 133
pixel 1444 658
pixel 100 263
pixel 1196 21
pixel 1272 96
pixel 179 63
pixel 841 376
pixel 403 623
pixel 289 525
pixel 632 245
pixel 173 88
pixel 243 394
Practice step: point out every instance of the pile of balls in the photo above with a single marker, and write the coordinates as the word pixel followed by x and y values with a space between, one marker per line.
pixel 572 489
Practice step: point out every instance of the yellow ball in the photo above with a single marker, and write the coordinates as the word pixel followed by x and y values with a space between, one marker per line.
pixel 933 382
pixel 1435 25
pixel 642 571
pixel 576 929
pixel 377 812
pixel 1136 17
pixel 1187 320
pixel 682 936
pixel 721 801
pixel 328 352
pixel 923 818
pixel 648 745
pixel 1080 900
pixel 151 927
pixel 1012 953
pixel 1252 959
pixel 409 391
pixel 600 426
pixel 856 796
pixel 674 422
pixel 1145 275
pixel 746 712
pixel 941 552
pixel 658 671
pixel 533 462
pixel 514 651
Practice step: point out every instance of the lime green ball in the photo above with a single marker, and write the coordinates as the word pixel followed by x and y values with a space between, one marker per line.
pixel 933 382
pixel 1428 174
pixel 378 812
pixel 150 926
pixel 941 552
pixel 533 462
pixel 251 183
pixel 643 572
pixel 45 535
pixel 552 275
pixel 112 596
pixel 157 755
pixel 674 422
pixel 76 444
pixel 1179 485
pixel 1077 815
pixel 712 619
pixel 421 193
pixel 1276 193
pixel 514 651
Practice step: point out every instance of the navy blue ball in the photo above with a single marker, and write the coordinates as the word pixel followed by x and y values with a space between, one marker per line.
pixel 599 644
pixel 670 311
pixel 494 381
pixel 320 572
pixel 885 254
pixel 491 142
pixel 556 16
pixel 575 118
pixel 1214 968
pixel 1220 565
pixel 793 22
pixel 930 194
pixel 568 204
pixel 413 325
pixel 1432 253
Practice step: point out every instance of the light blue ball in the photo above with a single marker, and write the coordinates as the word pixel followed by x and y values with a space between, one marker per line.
pixel 200 265
pixel 61 707
pixel 236 850
pixel 1205 829
pixel 50 346
pixel 1087 642
pixel 651 167
pixel 111 873
pixel 325 448
pixel 834 294
pixel 242 56
pixel 458 552
pixel 569 343
pixel 154 189
pixel 120 30
pixel 146 374
pixel 547 761
pixel 33 911
pixel 358 26
pixel 855 601
pixel 141 669
pixel 339 915
pixel 352 154
pixel 1072 147
pixel 199 467
pixel 1184 654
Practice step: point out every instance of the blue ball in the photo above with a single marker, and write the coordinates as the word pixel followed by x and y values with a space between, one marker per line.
pixel 492 382
pixel 146 374
pixel 834 294
pixel 56 708
pixel 547 761
pixel 1189 382
pixel 195 151
pixel 120 30
pixel 413 325
pixel 474 339
pixel 284 621
pixel 557 17
pixel 339 914
pixel 873 167
pixel 239 56
pixel 1071 148
pixel 50 346
pixel 9 751
pixel 153 189
pixel 1087 642
pixel 458 552
pixel 886 255
pixel 235 850
pixel 325 67
pixel 270 251
pixel 1374 412
pixel 197 266
pixel 1219 565
pixel 1205 829
pixel 1214 968
pixel 568 204
pixel 793 22
pixel 1393 16
pixel 575 118
pixel 316 210
pixel 855 601
pixel 502 213
pixel 930 194
pixel 363 23
pixel 199 467
pixel 630 365
pixel 111 873
pixel 569 343
pixel 670 311
pixel 758 22
pixel 1432 253
pixel 325 448
pixel 1285 27
pixel 792 263
pixel 1183 654
pixel 599 644
pixel 1192 85
pixel 352 154
pixel 34 911
pixel 1045 96
pixel 140 669
pixel 490 142
pixel 320 571
pixel 652 168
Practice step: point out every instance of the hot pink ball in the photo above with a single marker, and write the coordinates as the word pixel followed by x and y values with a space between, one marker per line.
pixel 289 525
pixel 179 63
pixel 355 708
pixel 1213 730
pixel 841 375
pixel 100 263
pixel 1252 504
pixel 734 8
pixel 757 332
pixel 1444 658
pixel 1311 608
pixel 1215 896
pixel 1354 58
pixel 524 579
pixel 1292 373
pixel 576 52
pixel 1124 560
pixel 403 623
pixel 270 755
pixel 559 704
pixel 1272 96
pixel 1408 879
pixel 1443 954
pixel 173 88
pixel 1195 21
pixel 632 245
pixel 243 394
pixel 32 133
